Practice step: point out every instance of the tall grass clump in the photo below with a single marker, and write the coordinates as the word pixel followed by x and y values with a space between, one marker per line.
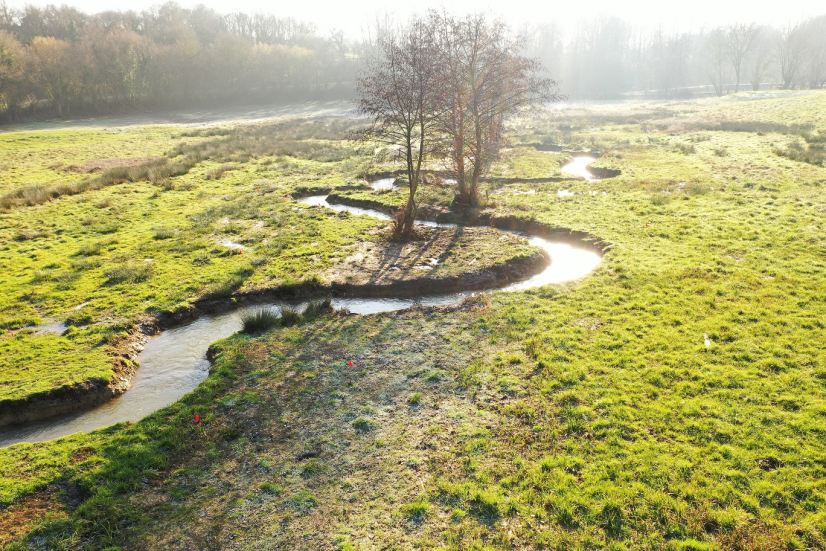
pixel 686 148
pixel 813 153
pixel 164 233
pixel 318 308
pixel 290 316
pixel 35 194
pixel 28 235
pixel 300 140
pixel 95 248
pixel 222 289
pixel 268 318
pixel 260 320
pixel 757 127
pixel 128 273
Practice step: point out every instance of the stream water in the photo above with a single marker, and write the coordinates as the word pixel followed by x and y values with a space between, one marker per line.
pixel 384 183
pixel 579 166
pixel 174 362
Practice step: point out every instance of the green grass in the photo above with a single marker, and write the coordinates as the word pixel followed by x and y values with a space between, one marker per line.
pixel 158 249
pixel 128 273
pixel 363 424
pixel 128 251
pixel 589 415
pixel 416 511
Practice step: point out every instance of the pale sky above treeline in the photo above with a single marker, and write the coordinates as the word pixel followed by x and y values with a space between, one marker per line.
pixel 355 17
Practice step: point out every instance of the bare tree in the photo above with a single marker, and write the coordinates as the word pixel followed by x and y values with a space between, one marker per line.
pixel 545 43
pixel 666 57
pixel 760 58
pixel 740 39
pixel 598 57
pixel 397 91
pixel 791 49
pixel 816 66
pixel 8 16
pixel 483 80
pixel 715 59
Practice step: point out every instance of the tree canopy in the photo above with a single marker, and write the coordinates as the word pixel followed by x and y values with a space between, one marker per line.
pixel 448 84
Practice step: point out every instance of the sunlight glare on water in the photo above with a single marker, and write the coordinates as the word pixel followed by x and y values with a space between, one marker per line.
pixel 579 166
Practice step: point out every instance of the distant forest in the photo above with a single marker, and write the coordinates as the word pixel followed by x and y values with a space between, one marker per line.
pixel 607 57
pixel 60 62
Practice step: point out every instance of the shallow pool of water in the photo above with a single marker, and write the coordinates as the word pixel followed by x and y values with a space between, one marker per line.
pixel 579 167
pixel 55 328
pixel 233 245
pixel 384 184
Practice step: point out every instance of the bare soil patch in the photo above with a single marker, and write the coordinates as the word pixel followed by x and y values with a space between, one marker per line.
pixel 28 511
pixel 438 253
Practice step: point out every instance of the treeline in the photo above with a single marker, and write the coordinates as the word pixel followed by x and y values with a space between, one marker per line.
pixel 58 61
pixel 606 57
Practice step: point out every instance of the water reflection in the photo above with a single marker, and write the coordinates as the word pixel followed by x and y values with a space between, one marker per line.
pixel 579 167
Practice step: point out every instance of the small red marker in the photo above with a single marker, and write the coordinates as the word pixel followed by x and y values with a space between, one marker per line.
pixel 12 333
pixel 486 304
pixel 646 225
pixel 197 419
pixel 351 363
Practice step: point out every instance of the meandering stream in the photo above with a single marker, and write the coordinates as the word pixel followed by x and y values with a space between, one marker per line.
pixel 174 362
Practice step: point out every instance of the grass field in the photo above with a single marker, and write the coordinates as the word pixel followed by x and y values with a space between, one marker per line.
pixel 104 259
pixel 674 399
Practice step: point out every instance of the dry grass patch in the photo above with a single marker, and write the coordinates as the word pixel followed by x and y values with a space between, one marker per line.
pixel 102 165
pixel 27 512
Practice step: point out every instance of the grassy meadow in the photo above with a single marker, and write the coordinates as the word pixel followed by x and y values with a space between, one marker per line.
pixel 673 399
pixel 130 242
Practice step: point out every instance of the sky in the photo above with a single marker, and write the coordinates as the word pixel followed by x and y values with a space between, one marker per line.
pixel 355 16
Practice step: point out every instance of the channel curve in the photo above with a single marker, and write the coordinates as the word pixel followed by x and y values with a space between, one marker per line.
pixel 174 362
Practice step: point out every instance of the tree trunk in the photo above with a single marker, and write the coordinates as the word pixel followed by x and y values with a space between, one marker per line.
pixel 473 192
pixel 404 227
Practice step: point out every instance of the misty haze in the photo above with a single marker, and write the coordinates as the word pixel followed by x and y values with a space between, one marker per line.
pixel 360 277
